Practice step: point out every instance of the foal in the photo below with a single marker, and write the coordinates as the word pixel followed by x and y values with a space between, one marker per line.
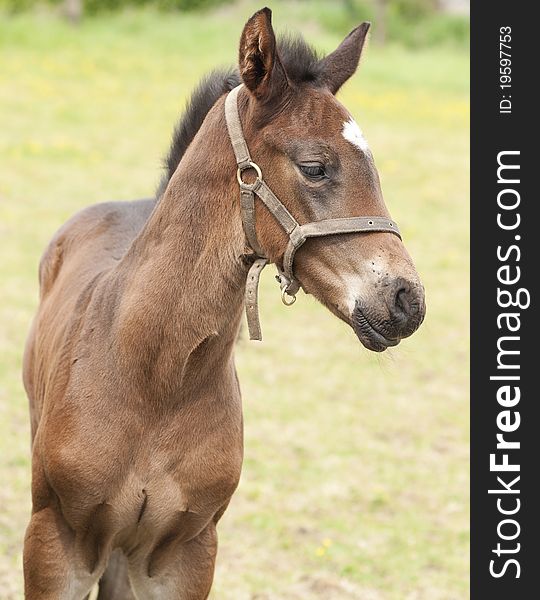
pixel 129 366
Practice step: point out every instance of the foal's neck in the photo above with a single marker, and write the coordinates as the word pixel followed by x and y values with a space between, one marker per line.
pixel 184 275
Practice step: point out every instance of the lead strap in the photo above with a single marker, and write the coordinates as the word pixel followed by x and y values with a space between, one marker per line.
pixel 251 298
pixel 247 207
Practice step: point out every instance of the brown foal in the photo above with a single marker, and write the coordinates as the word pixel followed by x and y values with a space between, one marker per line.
pixel 129 366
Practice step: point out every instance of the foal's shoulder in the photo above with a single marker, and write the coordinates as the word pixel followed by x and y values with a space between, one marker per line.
pixel 120 221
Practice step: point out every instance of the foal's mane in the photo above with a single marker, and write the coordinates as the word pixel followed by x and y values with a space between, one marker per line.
pixel 301 64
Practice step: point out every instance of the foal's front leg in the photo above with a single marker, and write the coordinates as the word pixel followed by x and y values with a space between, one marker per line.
pixel 51 569
pixel 185 572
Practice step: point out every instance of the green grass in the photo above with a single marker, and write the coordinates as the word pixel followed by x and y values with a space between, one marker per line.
pixel 355 483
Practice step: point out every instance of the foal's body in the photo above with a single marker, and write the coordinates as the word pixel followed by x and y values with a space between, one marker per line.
pixel 135 405
pixel 133 391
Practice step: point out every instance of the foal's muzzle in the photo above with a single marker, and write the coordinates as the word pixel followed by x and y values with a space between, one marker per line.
pixel 378 329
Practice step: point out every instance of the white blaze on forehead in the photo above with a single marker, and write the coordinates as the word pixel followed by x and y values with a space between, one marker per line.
pixel 352 133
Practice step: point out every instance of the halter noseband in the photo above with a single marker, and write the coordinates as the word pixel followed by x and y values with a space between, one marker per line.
pixel 297 233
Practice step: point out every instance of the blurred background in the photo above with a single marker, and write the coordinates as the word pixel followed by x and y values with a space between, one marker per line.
pixel 355 482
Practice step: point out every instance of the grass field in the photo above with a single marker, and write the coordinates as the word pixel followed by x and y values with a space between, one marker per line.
pixel 355 482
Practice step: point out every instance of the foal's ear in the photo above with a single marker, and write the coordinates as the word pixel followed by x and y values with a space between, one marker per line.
pixel 338 66
pixel 260 67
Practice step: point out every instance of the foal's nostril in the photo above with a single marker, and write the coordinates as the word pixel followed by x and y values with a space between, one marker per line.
pixel 404 301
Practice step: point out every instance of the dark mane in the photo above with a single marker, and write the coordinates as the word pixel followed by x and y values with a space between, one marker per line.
pixel 205 95
pixel 300 60
pixel 301 64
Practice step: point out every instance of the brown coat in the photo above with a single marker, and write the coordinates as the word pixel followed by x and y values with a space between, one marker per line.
pixel 129 366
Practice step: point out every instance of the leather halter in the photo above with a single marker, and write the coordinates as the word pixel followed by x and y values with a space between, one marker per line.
pixel 297 233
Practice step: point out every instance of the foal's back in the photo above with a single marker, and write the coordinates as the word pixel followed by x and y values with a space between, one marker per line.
pixel 80 252
pixel 92 240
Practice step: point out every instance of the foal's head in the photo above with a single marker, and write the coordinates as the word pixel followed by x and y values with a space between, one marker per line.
pixel 317 162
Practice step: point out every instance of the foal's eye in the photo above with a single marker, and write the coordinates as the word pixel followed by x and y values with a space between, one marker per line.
pixel 314 172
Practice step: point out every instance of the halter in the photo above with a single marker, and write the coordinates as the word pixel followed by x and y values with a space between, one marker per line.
pixel 297 233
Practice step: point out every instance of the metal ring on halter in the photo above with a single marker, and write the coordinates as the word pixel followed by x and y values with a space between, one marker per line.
pixel 250 165
pixel 286 298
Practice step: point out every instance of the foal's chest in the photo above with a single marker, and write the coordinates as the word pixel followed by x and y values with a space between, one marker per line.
pixel 173 474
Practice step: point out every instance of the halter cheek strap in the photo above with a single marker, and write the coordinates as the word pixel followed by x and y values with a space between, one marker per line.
pixel 297 233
